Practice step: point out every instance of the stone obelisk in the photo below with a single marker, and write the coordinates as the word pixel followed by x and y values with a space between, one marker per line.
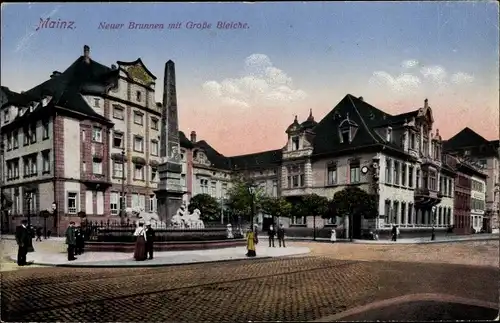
pixel 170 190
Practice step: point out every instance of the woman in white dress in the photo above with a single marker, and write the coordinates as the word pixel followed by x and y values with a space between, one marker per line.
pixel 140 243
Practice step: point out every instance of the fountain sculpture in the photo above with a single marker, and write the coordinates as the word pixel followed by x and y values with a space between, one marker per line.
pixel 181 220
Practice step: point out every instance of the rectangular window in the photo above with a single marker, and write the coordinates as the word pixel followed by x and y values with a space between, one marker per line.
pixel 154 123
pixel 138 144
pixel 9 170
pixel 46 162
pixel 332 174
pixel 15 139
pixel 432 181
pixel 403 213
pixel 72 203
pixel 388 172
pixel 113 199
pixel 403 174
pixel 295 143
pixel 34 164
pixel 298 220
pixel 9 142
pixel 138 118
pixel 97 134
pixel 139 172
pixel 33 133
pixel 96 103
pixel 118 112
pixel 395 212
pixel 410 214
pixel 138 96
pixel 275 188
pixel 154 147
pixel 396 172
pixel 117 140
pixel 117 169
pixel 296 176
pixel 26 164
pixel 417 180
pixel 26 136
pixel 355 172
pixel 45 126
pixel 152 204
pixel 154 173
pixel 412 140
pixel 97 167
pixel 16 168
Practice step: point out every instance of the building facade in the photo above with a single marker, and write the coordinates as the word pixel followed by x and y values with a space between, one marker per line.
pixel 482 154
pixel 400 158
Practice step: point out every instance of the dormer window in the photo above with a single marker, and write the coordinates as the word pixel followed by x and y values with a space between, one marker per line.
pixel 347 130
pixel 389 134
pixel 295 143
pixel 138 96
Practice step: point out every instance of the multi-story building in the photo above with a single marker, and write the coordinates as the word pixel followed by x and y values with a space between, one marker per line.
pixel 397 157
pixel 472 147
pixel 469 195
pixel 82 140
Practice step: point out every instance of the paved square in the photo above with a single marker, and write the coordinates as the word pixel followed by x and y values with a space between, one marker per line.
pixel 332 279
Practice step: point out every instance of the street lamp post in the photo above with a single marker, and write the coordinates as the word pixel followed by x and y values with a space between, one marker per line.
pixel 251 190
pixel 433 234
pixel 27 196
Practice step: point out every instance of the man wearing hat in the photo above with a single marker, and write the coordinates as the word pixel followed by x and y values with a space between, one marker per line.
pixel 23 239
pixel 71 240
pixel 150 239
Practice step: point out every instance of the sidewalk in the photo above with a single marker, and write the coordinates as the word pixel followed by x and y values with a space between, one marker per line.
pixel 421 240
pixel 164 258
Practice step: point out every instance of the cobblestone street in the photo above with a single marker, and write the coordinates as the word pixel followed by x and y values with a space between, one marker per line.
pixel 294 288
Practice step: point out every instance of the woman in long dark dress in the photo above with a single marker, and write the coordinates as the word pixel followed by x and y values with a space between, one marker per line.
pixel 140 243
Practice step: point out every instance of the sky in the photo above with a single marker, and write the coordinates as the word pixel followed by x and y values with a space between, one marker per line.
pixel 239 89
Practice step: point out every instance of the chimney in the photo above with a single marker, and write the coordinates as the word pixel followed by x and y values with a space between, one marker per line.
pixel 193 137
pixel 55 73
pixel 361 98
pixel 86 54
pixel 426 104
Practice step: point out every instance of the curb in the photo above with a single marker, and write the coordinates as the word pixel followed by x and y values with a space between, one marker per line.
pixel 384 242
pixel 76 265
pixel 406 299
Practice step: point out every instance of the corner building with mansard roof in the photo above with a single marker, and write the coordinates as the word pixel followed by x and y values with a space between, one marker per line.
pixel 77 141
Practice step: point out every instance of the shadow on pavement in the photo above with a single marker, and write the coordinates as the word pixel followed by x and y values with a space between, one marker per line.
pixel 425 311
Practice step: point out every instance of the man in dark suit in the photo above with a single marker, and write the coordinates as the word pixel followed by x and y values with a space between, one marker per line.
pixel 71 240
pixel 281 236
pixel 150 239
pixel 23 239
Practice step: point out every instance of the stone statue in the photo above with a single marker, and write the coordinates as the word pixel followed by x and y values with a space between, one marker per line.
pixel 145 217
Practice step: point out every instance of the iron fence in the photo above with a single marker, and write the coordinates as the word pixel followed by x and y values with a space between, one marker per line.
pixel 117 231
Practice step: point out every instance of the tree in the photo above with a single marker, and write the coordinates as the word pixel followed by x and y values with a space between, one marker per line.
pixel 239 198
pixel 353 201
pixel 208 206
pixel 276 206
pixel 312 204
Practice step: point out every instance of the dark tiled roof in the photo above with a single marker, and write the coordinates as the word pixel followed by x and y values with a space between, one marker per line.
pixel 184 141
pixel 217 159
pixel 14 98
pixel 468 139
pixel 263 159
pixel 364 115
pixel 66 88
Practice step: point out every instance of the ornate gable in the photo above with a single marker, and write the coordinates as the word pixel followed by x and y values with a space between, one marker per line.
pixel 138 72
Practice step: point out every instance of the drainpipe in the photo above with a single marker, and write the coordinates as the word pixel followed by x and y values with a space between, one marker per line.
pixel 54 180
